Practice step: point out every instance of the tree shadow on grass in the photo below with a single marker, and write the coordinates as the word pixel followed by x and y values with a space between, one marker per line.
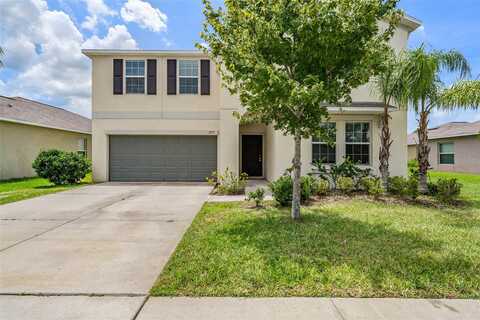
pixel 328 254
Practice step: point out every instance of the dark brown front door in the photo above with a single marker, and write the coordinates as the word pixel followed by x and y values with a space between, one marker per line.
pixel 252 155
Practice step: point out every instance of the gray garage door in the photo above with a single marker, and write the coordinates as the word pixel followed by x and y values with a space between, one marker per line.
pixel 162 158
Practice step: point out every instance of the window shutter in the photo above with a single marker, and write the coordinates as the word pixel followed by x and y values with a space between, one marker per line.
pixel 152 76
pixel 205 77
pixel 117 76
pixel 171 76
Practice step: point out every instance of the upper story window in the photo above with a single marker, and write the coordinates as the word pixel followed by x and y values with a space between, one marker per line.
pixel 135 76
pixel 323 151
pixel 357 142
pixel 188 76
pixel 446 153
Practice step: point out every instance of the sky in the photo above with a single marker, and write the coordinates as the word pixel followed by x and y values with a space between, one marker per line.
pixel 43 39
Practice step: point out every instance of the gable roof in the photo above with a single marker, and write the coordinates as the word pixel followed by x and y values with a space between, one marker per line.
pixel 25 111
pixel 448 130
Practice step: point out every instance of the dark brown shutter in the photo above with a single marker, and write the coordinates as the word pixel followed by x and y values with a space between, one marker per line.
pixel 117 76
pixel 171 76
pixel 151 76
pixel 205 77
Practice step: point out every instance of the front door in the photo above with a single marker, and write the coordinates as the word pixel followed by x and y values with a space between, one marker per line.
pixel 252 155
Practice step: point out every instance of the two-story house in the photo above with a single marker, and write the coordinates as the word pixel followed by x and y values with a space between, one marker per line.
pixel 164 116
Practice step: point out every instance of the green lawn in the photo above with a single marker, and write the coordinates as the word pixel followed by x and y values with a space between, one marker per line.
pixel 343 248
pixel 20 189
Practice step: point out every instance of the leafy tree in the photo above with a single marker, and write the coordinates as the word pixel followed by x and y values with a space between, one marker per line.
pixel 391 85
pixel 289 59
pixel 426 92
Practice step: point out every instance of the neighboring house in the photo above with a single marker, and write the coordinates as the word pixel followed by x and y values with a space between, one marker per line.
pixel 454 146
pixel 164 116
pixel 28 127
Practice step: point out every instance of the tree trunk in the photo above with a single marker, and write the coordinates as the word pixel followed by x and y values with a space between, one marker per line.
pixel 423 151
pixel 385 144
pixel 297 167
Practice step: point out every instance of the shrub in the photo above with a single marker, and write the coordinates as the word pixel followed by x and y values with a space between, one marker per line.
pixel 347 168
pixel 346 184
pixel 413 168
pixel 228 183
pixel 397 186
pixel 401 186
pixel 258 196
pixel 371 185
pixel 282 189
pixel 448 190
pixel 61 167
pixel 412 187
pixel 323 187
pixel 432 188
pixel 309 187
pixel 320 169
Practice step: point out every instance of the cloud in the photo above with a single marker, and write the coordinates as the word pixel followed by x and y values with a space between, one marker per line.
pixel 97 10
pixel 117 37
pixel 21 53
pixel 145 15
pixel 43 48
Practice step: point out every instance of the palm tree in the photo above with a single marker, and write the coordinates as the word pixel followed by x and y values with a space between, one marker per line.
pixel 426 92
pixel 462 95
pixel 390 85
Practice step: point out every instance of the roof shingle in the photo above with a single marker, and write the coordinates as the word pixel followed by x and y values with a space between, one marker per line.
pixel 18 109
pixel 448 130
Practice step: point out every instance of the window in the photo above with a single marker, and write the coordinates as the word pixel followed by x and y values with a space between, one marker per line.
pixel 135 76
pixel 82 147
pixel 188 76
pixel 357 142
pixel 446 153
pixel 322 151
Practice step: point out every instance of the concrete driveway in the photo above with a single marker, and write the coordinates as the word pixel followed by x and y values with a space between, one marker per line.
pixel 96 248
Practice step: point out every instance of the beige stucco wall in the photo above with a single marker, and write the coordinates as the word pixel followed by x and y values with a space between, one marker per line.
pixel 154 106
pixel 467 154
pixel 160 114
pixel 20 145
pixel 212 115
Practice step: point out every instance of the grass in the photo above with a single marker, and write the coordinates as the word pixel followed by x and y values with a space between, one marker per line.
pixel 346 248
pixel 20 189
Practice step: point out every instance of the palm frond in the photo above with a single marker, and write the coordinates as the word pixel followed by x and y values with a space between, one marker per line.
pixel 392 83
pixel 1 54
pixel 453 61
pixel 462 95
pixel 423 69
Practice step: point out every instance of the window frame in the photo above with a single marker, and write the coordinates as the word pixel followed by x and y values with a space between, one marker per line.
pixel 440 153
pixel 84 151
pixel 179 61
pixel 127 76
pixel 319 143
pixel 369 143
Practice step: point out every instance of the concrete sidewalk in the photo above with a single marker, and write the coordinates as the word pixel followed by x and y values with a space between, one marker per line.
pixel 307 309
